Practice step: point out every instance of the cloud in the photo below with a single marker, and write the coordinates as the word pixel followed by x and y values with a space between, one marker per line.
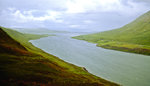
pixel 119 6
pixel 27 16
pixel 74 26
pixel 88 21
pixel 71 14
pixel 145 1
pixel 80 6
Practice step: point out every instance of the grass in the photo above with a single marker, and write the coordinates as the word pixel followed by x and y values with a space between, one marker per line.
pixel 22 64
pixel 133 37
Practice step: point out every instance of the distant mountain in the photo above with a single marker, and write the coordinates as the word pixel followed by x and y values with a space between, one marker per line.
pixel 133 37
pixel 38 30
pixel 22 64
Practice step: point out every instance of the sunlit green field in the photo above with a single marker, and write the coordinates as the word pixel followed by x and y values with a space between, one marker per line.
pixel 133 37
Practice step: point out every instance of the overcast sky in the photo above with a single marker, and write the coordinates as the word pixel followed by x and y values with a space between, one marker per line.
pixel 74 15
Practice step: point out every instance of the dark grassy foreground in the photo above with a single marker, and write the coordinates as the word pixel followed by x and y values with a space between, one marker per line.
pixel 133 37
pixel 22 64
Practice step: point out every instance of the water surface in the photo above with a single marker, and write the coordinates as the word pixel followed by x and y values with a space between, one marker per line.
pixel 127 69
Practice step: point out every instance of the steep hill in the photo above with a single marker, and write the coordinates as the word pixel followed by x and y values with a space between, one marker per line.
pixel 22 64
pixel 133 37
pixel 10 46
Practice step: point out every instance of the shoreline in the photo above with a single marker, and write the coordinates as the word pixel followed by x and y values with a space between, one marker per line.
pixel 120 46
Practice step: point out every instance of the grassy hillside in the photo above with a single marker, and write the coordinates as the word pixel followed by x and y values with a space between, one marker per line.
pixel 133 37
pixel 22 64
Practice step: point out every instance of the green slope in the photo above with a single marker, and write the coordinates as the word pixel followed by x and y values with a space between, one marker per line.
pixel 22 64
pixel 133 37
